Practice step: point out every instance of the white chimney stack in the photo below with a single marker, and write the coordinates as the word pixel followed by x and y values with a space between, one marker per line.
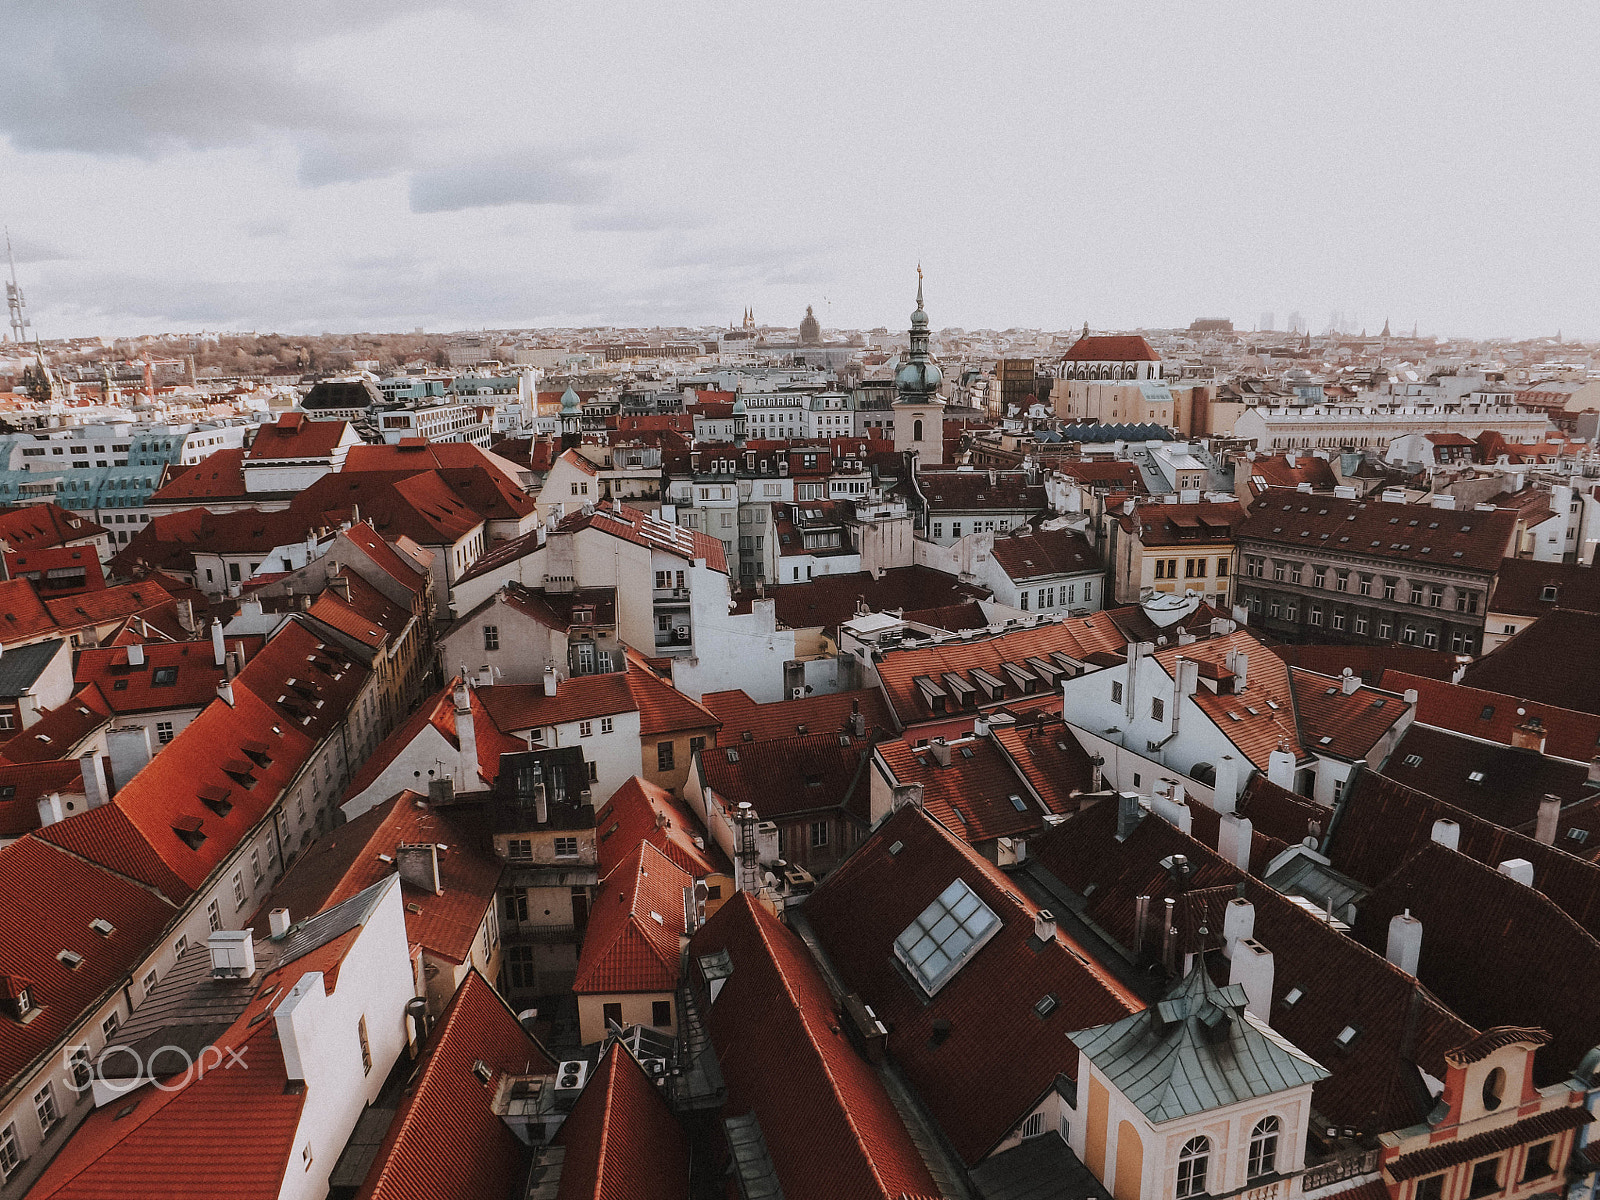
pixel 1044 925
pixel 552 680
pixel 1238 923
pixel 50 810
pixel 1233 839
pixel 225 692
pixel 418 864
pixel 1519 869
pixel 1447 833
pixel 1549 820
pixel 278 922
pixel 1225 785
pixel 219 651
pixel 136 654
pixel 1280 768
pixel 940 748
pixel 233 954
pixel 1252 968
pixel 296 1018
pixel 1349 682
pixel 1405 942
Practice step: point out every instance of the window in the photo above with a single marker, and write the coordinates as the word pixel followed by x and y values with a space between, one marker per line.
pixel 661 1013
pixel 255 864
pixel 491 637
pixel 1316 614
pixel 164 677
pixel 1485 1178
pixel 44 1104
pixel 182 944
pixel 1158 709
pixel 519 968
pixel 10 1151
pixel 1388 589
pixel 149 982
pixel 594 771
pixel 663 756
pixel 1022 601
pixel 612 1014
pixel 79 1070
pixel 519 848
pixel 607 725
pixel 955 529
pixel 1366 585
pixel 1338 622
pixel 1538 1164
pixel 1430 1187
pixel 1033 1126
pixel 238 889
pixel 819 834
pixel 1319 577
pixel 516 906
pixel 585 728
pixel 1494 1083
pixel 1193 1160
pixel 567 847
pixel 366 1046
pixel 1361 624
pixel 944 935
pixel 1263 1159
pixel 214 916
pixel 1116 691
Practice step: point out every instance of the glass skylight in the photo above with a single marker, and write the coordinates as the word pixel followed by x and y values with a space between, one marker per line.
pixel 945 935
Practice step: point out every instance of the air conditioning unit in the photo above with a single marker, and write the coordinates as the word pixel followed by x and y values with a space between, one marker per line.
pixel 680 631
pixel 571 1076
pixel 798 693
pixel 656 1068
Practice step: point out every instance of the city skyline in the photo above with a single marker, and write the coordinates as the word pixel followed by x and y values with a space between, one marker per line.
pixel 478 165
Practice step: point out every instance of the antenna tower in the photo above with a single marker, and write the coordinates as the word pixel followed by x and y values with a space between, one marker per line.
pixel 15 304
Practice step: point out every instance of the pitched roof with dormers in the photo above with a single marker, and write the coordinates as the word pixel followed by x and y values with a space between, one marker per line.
pixel 986 1010
pixel 1257 719
pixel 648 529
pixel 791 776
pixel 23 616
pixel 745 720
pixel 639 811
pixel 979 796
pixel 514 707
pixel 829 1126
pixel 1493 716
pixel 621 1139
pixel 295 437
pixel 1025 553
pixel 631 942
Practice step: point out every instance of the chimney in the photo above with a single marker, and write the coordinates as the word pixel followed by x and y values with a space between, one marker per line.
pixel 552 681
pixel 136 654
pixel 1519 869
pixel 1044 925
pixel 341 585
pixel 96 790
pixel 903 794
pixel 858 720
pixel 1349 682
pixel 1241 664
pixel 225 691
pixel 418 863
pixel 1594 770
pixel 1238 923
pixel 278 923
pixel 940 749
pixel 50 810
pixel 233 954
pixel 1529 735
pixel 1233 839
pixel 128 748
pixel 218 649
pixel 1447 833
pixel 296 1017
pixel 1141 923
pixel 1129 814
pixel 1251 967
pixel 441 791
pixel 185 611
pixel 466 736
pixel 1549 819
pixel 1405 942
pixel 1280 767
pixel 1169 934
pixel 1225 787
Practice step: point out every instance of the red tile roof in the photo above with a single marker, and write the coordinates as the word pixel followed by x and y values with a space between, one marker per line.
pixel 1343 725
pixel 41 565
pixel 346 861
pixel 445 1143
pixel 1208 523
pixel 647 529
pixel 869 900
pixel 1026 553
pixel 1078 638
pixel 1370 662
pixel 622 1141
pixel 514 707
pixel 830 1128
pixel 1551 661
pixel 1125 347
pixel 362 534
pixel 791 776
pixel 23 616
pixel 220 475
pixel 662 707
pixel 828 713
pixel 1450 539
pixel 294 436
pixel 831 599
pixel 974 491
pixel 639 811
pixel 107 604
pixel 62 731
pixel 1256 733
pixel 128 689
pixel 1493 716
pixel 420 505
pixel 972 796
pixel 1523 585
pixel 22 785
pixel 37 526
pixel 631 943
pixel 1273 470
pixel 1050 758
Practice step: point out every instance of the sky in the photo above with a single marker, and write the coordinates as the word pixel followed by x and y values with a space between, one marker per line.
pixel 305 166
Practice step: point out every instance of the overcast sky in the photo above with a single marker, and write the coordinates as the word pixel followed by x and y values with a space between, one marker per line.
pixel 314 165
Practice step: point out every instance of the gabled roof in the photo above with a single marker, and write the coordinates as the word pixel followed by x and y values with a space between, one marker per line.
pixel 828 600
pixel 631 943
pixel 294 437
pixel 662 707
pixel 21 667
pixel 1175 526
pixel 445 1142
pixel 23 616
pixel 1493 716
pixel 1197 1051
pixel 107 604
pixel 639 811
pixel 1530 589
pixel 1112 347
pixel 218 476
pixel 1273 470
pixel 346 861
pixel 973 796
pixel 973 491
pixel 1025 553
pixel 1450 539
pixel 128 688
pixel 791 776
pixel 420 505
pixel 21 786
pixel 743 719
pixel 1258 719
pixel 648 529
pixel 829 1126
pixel 514 707
pixel 413 578
pixel 869 901
pixel 1496 782
pixel 367 617
pixel 1050 758
pixel 621 1139
pixel 1334 722
pixel 36 526
pixel 1551 661
pixel 61 732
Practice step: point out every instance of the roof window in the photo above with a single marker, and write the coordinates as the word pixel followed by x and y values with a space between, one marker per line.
pixel 1474 776
pixel 164 677
pixel 1488 711
pixel 102 926
pixel 1347 1035
pixel 70 959
pixel 1046 1005
pixel 1293 996
pixel 946 933
pixel 1413 760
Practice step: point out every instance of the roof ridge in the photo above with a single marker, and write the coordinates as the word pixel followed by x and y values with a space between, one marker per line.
pixel 112 871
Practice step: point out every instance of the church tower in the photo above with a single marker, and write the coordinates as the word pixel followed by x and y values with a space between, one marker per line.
pixel 918 409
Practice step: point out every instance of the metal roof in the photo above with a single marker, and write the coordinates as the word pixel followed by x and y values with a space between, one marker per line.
pixel 1196 1051
pixel 21 666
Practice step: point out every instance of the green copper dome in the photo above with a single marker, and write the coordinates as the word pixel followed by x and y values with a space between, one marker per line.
pixel 569 400
pixel 918 379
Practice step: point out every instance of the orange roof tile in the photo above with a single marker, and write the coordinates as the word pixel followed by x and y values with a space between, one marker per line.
pixel 662 707
pixel 828 713
pixel 23 616
pixel 631 944
pixel 622 1141
pixel 639 811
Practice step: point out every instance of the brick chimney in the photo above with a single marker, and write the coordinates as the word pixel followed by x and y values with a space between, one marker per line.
pixel 1529 735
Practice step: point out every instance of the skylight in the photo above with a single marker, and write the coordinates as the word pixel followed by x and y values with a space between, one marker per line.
pixel 948 932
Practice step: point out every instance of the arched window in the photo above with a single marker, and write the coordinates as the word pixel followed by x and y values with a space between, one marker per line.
pixel 1263 1148
pixel 916 430
pixel 1193 1160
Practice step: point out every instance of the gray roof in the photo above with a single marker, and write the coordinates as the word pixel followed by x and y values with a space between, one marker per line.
pixel 1195 1051
pixel 20 666
pixel 1040 1168
pixel 330 923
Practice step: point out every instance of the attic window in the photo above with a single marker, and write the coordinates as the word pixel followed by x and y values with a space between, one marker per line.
pixel 164 677
pixel 1046 1005
pixel 895 848
pixel 102 926
pixel 1233 716
pixel 946 933
pixel 1347 1035
pixel 1325 740
pixel 1548 592
pixel 1474 776
pixel 733 755
pixel 70 959
pixel 1413 760
pixel 1292 997
pixel 482 1071
pixel 1017 803
pixel 1488 711
pixel 1578 835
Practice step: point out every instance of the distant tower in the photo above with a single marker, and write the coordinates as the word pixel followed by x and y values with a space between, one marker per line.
pixel 1385 334
pixel 918 409
pixel 810 329
pixel 14 302
pixel 749 318
pixel 571 419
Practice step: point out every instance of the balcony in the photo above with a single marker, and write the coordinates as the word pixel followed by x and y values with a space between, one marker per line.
pixel 531 934
pixel 674 597
pixel 1347 1164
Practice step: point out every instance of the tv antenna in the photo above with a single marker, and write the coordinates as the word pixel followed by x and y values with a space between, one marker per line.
pixel 15 304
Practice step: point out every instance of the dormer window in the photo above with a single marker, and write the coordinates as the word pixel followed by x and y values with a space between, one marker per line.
pixel 16 998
